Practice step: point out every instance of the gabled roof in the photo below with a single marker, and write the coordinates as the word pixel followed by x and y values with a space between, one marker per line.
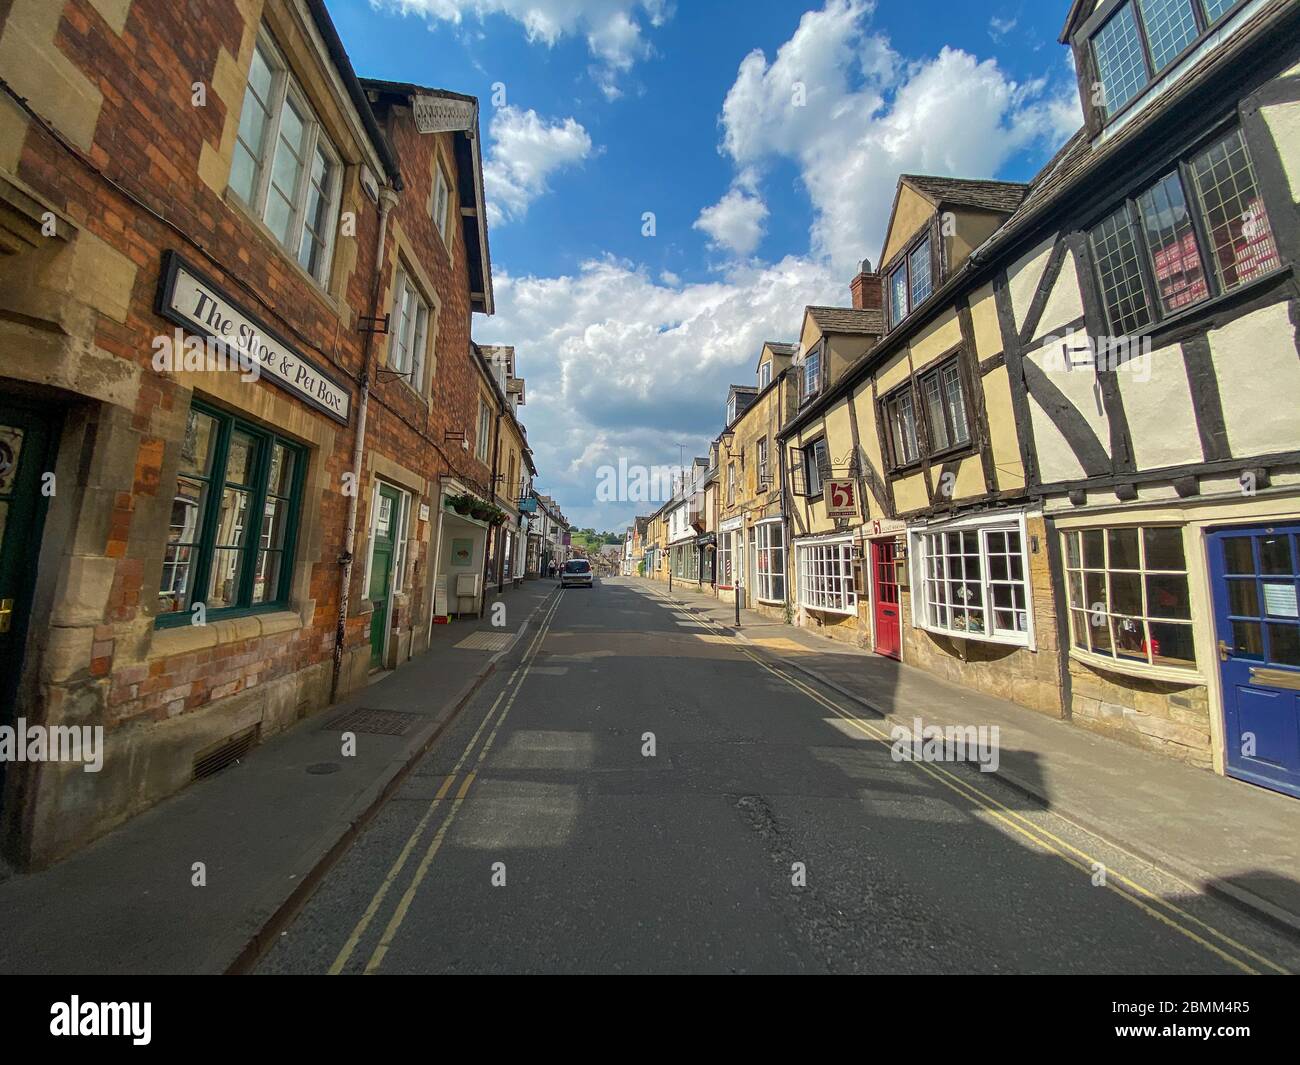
pixel 469 169
pixel 847 320
pixel 1003 196
pixel 776 348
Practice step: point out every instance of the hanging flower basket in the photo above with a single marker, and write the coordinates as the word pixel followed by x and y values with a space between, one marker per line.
pixel 462 504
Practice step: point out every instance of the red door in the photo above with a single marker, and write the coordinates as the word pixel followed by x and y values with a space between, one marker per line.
pixel 884 571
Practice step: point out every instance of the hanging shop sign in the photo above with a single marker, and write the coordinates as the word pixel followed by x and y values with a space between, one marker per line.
pixel 194 301
pixel 841 499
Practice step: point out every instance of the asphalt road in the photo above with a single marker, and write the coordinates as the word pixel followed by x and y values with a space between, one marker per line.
pixel 635 792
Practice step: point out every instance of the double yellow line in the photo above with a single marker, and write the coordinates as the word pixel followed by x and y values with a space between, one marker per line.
pixel 1124 887
pixel 512 686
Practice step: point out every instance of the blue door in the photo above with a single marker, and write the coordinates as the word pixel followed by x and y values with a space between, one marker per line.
pixel 1255 574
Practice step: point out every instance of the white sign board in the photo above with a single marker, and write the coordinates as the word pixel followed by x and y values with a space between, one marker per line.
pixel 841 499
pixel 191 300
pixel 438 114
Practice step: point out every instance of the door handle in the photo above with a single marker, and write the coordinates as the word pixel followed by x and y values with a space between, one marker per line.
pixel 1224 651
pixel 6 614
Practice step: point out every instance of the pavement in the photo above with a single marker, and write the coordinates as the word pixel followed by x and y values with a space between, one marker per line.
pixel 636 789
pixel 264 830
pixel 1224 836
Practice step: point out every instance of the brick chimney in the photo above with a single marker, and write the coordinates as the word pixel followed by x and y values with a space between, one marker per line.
pixel 867 289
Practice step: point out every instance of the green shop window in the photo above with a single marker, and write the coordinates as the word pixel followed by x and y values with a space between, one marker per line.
pixel 218 551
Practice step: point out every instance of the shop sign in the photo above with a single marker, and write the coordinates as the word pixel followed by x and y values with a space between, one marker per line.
pixel 193 301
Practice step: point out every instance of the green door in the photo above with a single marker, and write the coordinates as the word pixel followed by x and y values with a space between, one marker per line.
pixel 383 548
pixel 25 436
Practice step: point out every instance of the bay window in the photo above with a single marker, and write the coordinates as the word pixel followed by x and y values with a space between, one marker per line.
pixel 769 551
pixel 1198 231
pixel 231 537
pixel 1128 595
pixel 284 168
pixel 825 575
pixel 974 583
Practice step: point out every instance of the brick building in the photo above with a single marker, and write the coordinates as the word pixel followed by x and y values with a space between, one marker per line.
pixel 236 286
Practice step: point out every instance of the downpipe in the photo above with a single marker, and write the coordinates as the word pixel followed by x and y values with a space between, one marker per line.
pixel 387 197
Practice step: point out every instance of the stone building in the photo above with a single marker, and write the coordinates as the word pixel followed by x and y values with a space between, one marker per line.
pixel 236 294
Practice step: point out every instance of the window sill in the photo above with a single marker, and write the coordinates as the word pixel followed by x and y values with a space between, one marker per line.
pixel 1190 677
pixel 1170 329
pixel 182 639
pixel 847 612
pixel 981 637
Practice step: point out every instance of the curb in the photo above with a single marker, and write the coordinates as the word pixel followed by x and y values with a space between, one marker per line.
pixel 260 941
pixel 1240 898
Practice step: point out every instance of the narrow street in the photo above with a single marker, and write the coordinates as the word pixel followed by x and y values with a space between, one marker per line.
pixel 635 791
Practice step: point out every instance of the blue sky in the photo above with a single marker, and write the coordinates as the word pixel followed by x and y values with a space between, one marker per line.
pixel 764 136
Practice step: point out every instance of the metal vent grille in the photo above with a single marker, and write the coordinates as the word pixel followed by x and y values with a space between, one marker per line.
pixel 374 722
pixel 228 752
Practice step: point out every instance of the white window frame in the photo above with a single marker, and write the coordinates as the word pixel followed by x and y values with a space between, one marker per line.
pixel 774 555
pixel 723 574
pixel 408 342
pixel 441 188
pixel 483 443
pixel 765 375
pixel 828 564
pixel 922 601
pixel 1128 665
pixel 285 90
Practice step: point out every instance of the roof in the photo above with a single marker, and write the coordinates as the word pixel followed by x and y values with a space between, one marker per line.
pixel 1003 196
pixel 847 320
pixel 776 348
pixel 356 93
pixel 469 168
pixel 1079 159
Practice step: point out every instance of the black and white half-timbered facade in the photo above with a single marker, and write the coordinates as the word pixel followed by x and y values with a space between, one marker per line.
pixel 1088 417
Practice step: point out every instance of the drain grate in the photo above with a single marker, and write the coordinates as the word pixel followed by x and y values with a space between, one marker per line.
pixel 486 641
pixel 373 722
pixel 228 752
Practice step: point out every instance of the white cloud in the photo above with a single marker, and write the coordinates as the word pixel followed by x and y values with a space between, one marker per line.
pixel 621 364
pixel 525 151
pixel 613 29
pixel 853 114
pixel 736 222
pixel 1000 27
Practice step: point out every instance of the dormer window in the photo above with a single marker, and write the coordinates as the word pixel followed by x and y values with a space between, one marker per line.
pixel 812 373
pixel 731 409
pixel 1143 38
pixel 764 375
pixel 912 282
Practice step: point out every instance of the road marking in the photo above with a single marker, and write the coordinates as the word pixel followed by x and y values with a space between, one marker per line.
pixel 1034 832
pixel 408 896
pixel 408 848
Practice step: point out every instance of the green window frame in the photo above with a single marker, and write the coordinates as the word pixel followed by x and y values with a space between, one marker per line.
pixel 230 469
